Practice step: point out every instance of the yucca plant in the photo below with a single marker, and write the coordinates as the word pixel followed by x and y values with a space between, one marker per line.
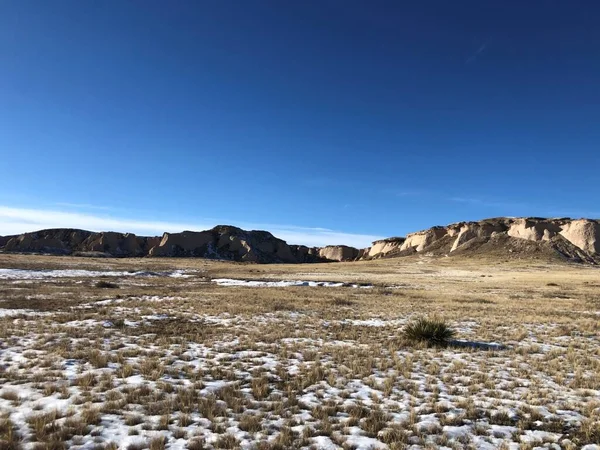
pixel 433 331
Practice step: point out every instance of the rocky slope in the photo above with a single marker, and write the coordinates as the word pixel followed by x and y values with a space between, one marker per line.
pixel 572 239
pixel 222 242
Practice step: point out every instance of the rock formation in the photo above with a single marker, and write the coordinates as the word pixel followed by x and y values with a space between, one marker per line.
pixel 583 233
pixel 577 240
pixel 571 239
pixel 4 240
pixel 421 239
pixel 383 247
pixel 338 253
pixel 225 242
pixel 304 254
pixel 222 242
pixel 57 241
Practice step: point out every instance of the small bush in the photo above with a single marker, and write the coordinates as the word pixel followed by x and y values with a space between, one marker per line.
pixel 106 285
pixel 432 331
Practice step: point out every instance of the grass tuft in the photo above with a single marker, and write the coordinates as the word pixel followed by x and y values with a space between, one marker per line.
pixel 432 331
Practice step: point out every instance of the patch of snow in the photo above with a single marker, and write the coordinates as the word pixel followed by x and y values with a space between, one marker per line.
pixel 364 443
pixel 533 436
pixel 374 322
pixel 15 312
pixel 26 274
pixel 324 443
pixel 283 283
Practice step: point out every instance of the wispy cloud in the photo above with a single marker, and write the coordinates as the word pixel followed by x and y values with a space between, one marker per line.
pixel 20 220
pixel 475 55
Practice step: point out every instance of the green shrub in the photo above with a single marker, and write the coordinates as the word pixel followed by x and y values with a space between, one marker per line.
pixel 432 331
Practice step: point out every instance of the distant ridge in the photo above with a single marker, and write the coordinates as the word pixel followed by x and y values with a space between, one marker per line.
pixel 576 240
pixel 222 242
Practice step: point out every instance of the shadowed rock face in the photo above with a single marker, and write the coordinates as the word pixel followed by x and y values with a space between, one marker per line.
pixel 58 241
pixel 4 240
pixel 226 242
pixel 304 254
pixel 222 242
pixel 571 239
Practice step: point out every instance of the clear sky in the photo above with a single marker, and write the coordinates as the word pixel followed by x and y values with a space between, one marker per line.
pixel 322 121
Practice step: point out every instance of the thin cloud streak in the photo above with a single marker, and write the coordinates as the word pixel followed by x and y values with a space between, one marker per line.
pixel 474 56
pixel 20 220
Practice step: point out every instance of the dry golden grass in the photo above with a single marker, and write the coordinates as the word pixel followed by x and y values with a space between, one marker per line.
pixel 291 367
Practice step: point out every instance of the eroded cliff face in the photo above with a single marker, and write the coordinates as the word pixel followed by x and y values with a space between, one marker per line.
pixel 222 242
pixel 573 239
pixel 583 233
pixel 56 241
pixel 226 242
pixel 383 248
pixel 421 239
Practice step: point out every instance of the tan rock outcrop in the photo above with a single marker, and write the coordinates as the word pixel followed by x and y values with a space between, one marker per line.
pixel 534 229
pixel 421 239
pixel 382 247
pixel 338 253
pixel 472 230
pixel 583 233
pixel 572 239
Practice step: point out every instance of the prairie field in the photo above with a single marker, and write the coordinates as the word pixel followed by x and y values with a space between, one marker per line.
pixel 196 354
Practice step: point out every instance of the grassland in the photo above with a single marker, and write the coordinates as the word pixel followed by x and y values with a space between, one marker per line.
pixel 152 353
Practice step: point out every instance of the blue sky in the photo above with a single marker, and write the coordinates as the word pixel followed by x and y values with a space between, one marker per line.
pixel 321 121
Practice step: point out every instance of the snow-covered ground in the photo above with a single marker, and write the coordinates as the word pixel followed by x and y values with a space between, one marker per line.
pixel 203 366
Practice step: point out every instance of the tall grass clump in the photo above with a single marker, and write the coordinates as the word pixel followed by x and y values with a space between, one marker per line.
pixel 433 331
